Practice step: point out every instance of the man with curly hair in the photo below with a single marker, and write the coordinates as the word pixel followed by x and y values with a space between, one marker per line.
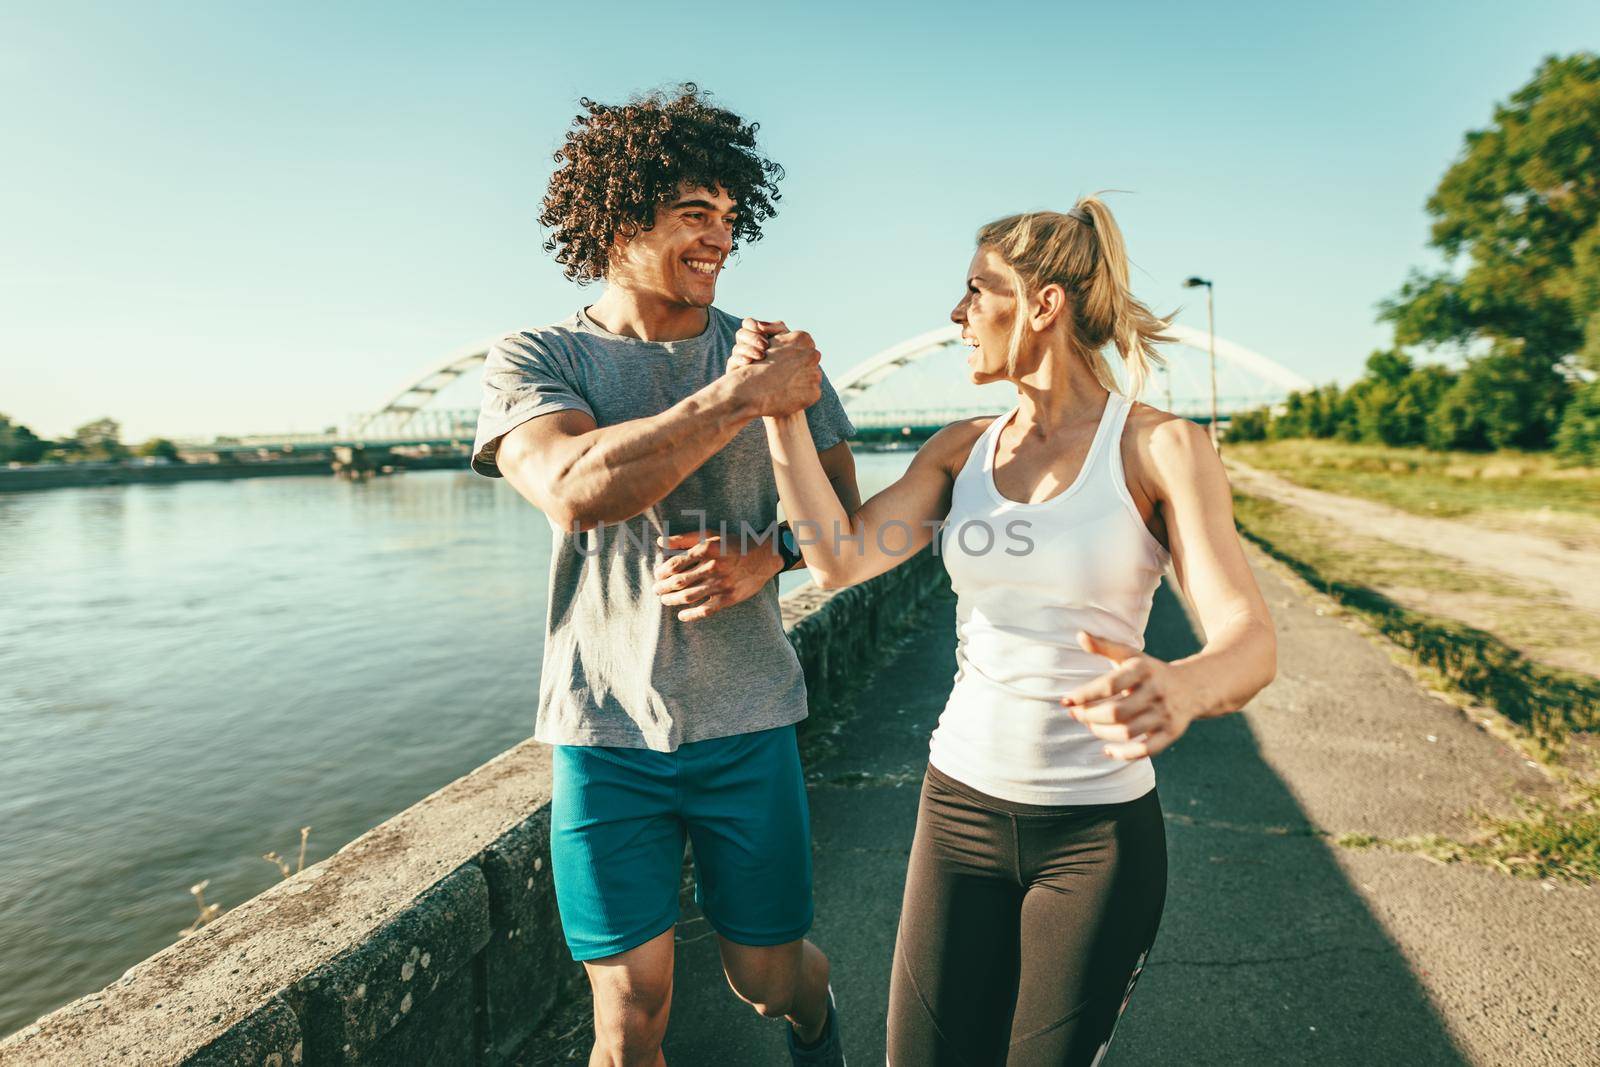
pixel 669 688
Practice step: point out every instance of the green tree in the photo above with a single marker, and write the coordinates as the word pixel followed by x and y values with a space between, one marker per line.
pixel 1389 367
pixel 1417 397
pixel 1325 409
pixel 1586 293
pixel 1315 412
pixel 1578 438
pixel 161 448
pixel 1249 425
pixel 1359 398
pixel 1304 414
pixel 1501 400
pixel 1521 208
pixel 18 444
pixel 1293 422
pixel 99 441
pixel 1334 411
pixel 1390 404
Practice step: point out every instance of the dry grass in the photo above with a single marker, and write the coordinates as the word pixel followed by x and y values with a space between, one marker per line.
pixel 1550 839
pixel 1524 489
pixel 209 912
pixel 283 864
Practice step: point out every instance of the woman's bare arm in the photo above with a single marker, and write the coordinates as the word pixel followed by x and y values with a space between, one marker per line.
pixel 1240 653
pixel 843 548
pixel 1144 704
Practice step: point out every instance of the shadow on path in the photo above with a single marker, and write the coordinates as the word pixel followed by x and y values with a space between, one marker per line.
pixel 1266 954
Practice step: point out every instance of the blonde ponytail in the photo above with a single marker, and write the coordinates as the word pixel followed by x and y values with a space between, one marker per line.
pixel 1082 251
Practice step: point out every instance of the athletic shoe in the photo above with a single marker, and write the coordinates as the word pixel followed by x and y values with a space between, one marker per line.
pixel 827 1052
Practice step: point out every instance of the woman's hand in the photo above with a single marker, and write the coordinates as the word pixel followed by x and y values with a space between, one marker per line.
pixel 750 345
pixel 1139 708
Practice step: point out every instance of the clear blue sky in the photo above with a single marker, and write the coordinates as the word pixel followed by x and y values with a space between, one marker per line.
pixel 234 218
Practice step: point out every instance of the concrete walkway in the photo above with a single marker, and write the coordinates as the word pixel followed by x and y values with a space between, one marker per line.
pixel 1277 946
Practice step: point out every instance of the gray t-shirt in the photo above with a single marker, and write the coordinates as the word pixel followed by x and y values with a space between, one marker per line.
pixel 619 668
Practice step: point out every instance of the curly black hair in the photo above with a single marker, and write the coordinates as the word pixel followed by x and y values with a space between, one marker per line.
pixel 620 162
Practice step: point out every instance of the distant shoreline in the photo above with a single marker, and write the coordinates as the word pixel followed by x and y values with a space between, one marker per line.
pixel 80 475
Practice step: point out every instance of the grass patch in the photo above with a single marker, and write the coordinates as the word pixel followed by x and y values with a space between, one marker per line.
pixel 1547 702
pixel 1440 484
pixel 1550 839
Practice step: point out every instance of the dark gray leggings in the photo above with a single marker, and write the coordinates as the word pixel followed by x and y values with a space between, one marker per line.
pixel 1023 928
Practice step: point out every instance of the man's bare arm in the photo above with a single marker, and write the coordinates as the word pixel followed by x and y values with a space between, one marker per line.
pixel 581 475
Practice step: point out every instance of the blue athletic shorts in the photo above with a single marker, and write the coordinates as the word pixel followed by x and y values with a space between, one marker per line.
pixel 619 818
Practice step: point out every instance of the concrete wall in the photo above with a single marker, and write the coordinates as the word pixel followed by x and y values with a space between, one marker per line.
pixel 432 939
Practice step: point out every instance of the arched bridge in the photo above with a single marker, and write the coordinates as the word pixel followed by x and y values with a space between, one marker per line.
pixel 869 372
pixel 1245 379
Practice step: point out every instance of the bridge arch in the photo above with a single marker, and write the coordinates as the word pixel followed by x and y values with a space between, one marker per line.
pixel 404 403
pixel 420 389
pixel 856 381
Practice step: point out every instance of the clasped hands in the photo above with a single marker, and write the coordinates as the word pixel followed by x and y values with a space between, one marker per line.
pixel 779 368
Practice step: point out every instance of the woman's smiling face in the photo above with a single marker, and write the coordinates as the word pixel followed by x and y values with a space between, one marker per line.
pixel 987 314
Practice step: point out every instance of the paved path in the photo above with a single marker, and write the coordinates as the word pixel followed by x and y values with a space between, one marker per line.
pixel 1277 946
pixel 1569 571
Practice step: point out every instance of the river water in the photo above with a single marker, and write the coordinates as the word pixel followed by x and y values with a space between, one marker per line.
pixel 190 673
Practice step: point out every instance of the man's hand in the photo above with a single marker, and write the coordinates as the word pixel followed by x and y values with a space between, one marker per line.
pixel 1140 707
pixel 777 367
pixel 711 575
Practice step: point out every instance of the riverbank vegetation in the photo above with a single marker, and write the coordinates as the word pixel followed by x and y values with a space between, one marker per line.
pixel 99 441
pixel 1502 657
pixel 1547 839
pixel 1537 622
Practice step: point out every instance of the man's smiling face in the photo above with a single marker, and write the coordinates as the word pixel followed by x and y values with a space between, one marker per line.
pixel 680 258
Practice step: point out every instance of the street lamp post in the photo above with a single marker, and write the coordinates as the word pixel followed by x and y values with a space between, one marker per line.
pixel 1211 335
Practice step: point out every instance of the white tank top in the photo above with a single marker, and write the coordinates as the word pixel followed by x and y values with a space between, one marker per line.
pixel 1027 578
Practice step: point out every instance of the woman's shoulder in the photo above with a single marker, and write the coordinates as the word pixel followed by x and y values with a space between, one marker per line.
pixel 1158 443
pixel 952 443
pixel 958 437
pixel 1162 430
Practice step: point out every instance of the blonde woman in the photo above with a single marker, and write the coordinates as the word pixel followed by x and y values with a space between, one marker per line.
pixel 1038 870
